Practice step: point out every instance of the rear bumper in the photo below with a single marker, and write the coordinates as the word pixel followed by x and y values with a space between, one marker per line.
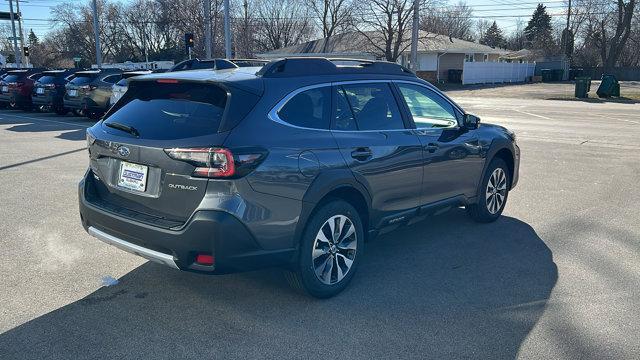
pixel 46 100
pixel 14 97
pixel 213 232
pixel 86 104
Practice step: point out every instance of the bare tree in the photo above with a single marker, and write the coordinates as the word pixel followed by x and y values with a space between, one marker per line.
pixel 386 26
pixel 455 21
pixel 280 24
pixel 333 15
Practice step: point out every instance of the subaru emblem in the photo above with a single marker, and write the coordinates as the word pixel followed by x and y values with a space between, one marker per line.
pixel 123 151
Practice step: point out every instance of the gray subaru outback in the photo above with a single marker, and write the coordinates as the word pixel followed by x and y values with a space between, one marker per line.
pixel 295 164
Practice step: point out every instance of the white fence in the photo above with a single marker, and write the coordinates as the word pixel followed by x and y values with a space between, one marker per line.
pixel 496 72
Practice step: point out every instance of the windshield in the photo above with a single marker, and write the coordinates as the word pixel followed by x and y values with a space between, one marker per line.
pixel 170 111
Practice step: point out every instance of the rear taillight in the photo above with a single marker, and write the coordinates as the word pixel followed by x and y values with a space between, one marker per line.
pixel 209 162
pixel 49 86
pixel 220 162
pixel 87 87
pixel 16 84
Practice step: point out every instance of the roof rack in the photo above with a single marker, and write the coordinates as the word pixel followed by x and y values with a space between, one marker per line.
pixel 307 66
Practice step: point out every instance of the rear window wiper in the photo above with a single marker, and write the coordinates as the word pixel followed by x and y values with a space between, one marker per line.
pixel 126 128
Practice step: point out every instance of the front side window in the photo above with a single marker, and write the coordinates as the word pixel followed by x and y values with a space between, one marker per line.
pixel 428 109
pixel 372 105
pixel 309 109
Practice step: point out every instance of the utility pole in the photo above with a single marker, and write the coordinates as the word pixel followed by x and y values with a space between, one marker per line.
pixel 96 34
pixel 414 35
pixel 16 54
pixel 227 31
pixel 207 28
pixel 20 31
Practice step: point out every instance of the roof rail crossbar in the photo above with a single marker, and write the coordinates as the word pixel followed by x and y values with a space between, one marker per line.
pixel 307 66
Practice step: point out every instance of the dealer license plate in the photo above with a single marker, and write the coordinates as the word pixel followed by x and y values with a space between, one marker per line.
pixel 133 176
pixel 40 91
pixel 73 92
pixel 5 88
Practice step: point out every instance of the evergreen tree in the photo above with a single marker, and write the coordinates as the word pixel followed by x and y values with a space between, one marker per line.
pixel 493 36
pixel 33 39
pixel 538 30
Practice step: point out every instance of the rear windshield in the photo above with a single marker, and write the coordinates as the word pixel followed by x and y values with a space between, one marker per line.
pixel 82 79
pixel 171 111
pixel 47 79
pixel 12 78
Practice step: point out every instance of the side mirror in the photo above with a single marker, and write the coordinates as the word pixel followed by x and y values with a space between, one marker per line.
pixel 471 122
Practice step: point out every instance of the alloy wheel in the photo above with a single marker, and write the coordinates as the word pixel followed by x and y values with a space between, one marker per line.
pixel 334 249
pixel 496 190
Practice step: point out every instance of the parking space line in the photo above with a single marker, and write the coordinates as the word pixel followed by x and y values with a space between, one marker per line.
pixel 531 114
pixel 45 120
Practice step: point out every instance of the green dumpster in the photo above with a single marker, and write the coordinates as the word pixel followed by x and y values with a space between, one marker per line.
pixel 609 86
pixel 547 75
pixel 557 74
pixel 583 85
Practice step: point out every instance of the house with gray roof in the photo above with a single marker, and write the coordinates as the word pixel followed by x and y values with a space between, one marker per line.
pixel 437 54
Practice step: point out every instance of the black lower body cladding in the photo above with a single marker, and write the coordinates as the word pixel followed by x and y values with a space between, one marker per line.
pixel 212 232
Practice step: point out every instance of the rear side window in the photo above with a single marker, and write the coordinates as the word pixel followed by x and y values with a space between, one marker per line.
pixel 309 109
pixel 171 111
pixel 81 80
pixel 373 106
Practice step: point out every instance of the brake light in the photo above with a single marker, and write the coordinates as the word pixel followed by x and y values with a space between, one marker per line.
pixel 209 162
pixel 16 84
pixel 87 87
pixel 167 81
pixel 49 86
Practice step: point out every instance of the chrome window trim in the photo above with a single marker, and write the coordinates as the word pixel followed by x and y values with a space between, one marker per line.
pixel 273 113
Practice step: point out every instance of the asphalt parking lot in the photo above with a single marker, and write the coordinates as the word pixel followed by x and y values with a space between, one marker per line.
pixel 557 277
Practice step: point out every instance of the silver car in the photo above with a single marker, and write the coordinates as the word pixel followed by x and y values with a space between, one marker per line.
pixel 121 86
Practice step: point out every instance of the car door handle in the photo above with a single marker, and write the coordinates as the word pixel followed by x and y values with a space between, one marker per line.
pixel 362 153
pixel 431 147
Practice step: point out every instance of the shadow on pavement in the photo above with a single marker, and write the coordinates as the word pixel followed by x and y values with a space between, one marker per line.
pixel 442 288
pixel 72 128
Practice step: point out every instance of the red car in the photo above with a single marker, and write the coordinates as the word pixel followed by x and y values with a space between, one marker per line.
pixel 16 87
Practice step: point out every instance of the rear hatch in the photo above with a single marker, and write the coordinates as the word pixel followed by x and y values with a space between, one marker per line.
pixel 81 86
pixel 136 173
pixel 46 85
pixel 13 82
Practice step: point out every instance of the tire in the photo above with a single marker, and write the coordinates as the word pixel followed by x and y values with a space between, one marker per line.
pixel 61 111
pixel 324 275
pixel 491 199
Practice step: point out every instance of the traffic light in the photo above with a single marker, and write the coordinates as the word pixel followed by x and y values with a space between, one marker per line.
pixel 188 40
pixel 25 50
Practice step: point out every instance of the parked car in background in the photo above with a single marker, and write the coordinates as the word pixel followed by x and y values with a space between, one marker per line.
pixel 293 165
pixel 196 64
pixel 16 87
pixel 48 91
pixel 120 87
pixel 89 92
pixel 249 62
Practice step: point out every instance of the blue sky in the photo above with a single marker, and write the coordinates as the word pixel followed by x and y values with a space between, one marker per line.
pixel 505 12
